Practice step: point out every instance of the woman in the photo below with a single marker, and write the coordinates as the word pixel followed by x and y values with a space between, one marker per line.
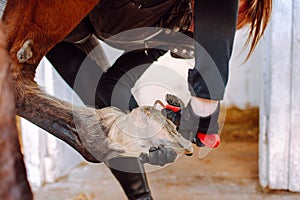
pixel 214 25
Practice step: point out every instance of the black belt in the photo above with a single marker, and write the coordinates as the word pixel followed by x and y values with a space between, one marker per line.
pixel 154 38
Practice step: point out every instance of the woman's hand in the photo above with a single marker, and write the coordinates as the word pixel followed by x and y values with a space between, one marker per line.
pixel 190 124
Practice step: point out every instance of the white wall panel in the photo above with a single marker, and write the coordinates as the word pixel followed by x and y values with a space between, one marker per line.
pixel 280 109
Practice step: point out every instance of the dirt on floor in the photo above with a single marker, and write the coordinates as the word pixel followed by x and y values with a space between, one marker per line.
pixel 240 124
pixel 229 172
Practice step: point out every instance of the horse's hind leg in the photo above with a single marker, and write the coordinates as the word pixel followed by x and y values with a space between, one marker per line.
pixel 31 30
pixel 13 181
pixel 83 128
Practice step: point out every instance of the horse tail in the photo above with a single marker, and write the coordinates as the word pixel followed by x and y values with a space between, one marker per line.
pixel 256 14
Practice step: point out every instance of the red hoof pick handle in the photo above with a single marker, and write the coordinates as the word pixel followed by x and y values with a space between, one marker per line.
pixel 209 140
pixel 173 108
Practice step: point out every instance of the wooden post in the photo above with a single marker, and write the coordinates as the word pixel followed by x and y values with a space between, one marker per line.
pixel 280 110
pixel 294 162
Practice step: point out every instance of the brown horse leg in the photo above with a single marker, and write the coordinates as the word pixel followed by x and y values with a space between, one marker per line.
pixel 13 181
pixel 45 23
pixel 83 128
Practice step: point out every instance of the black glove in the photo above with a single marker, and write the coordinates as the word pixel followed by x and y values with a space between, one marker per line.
pixel 193 127
pixel 158 156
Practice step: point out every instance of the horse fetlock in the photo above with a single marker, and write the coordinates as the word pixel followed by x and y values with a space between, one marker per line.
pixel 92 127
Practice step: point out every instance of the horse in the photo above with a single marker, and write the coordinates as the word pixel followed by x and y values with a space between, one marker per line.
pixel 32 28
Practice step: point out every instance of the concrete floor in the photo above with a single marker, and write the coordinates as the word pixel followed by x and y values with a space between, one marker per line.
pixel 229 172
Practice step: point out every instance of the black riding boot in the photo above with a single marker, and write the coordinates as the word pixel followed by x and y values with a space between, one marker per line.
pixel 132 176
